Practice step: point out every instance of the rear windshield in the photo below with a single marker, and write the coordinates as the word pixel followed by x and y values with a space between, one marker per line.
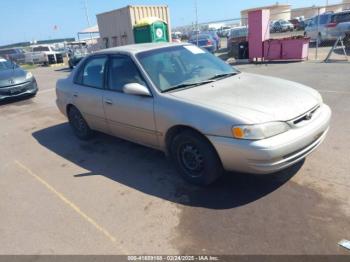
pixel 7 52
pixel 339 18
pixel 41 49
pixel 200 37
pixel 239 32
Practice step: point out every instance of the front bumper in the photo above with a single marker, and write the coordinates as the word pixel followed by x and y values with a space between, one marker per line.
pixel 275 153
pixel 24 89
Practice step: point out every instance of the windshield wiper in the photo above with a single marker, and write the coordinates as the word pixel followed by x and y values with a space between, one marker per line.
pixel 223 75
pixel 184 85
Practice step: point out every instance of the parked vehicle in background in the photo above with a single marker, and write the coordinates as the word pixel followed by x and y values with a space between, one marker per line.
pixel 215 36
pixel 281 26
pixel 341 23
pixel 15 81
pixel 296 23
pixel 14 54
pixel 224 31
pixel 193 33
pixel 205 41
pixel 76 52
pixel 75 57
pixel 320 28
pixel 176 38
pixel 304 23
pixel 43 54
pixel 236 36
pixel 206 115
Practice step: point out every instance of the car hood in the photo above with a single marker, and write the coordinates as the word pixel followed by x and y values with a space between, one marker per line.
pixel 254 98
pixel 12 77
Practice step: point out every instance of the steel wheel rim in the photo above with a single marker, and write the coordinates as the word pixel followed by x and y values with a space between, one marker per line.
pixel 78 123
pixel 191 159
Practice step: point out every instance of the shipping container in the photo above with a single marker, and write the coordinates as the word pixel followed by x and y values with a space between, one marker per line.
pixel 116 27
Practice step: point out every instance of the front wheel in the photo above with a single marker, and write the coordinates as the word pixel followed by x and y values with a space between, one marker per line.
pixel 195 158
pixel 79 125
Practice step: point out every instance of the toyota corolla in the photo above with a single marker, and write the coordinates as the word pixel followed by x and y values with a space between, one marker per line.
pixel 204 114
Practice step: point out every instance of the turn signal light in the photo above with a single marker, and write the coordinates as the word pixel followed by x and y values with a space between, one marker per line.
pixel 238 132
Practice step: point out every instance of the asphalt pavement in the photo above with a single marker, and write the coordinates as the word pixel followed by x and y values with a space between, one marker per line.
pixel 60 195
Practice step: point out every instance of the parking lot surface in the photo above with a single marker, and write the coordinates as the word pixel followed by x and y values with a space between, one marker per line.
pixel 60 195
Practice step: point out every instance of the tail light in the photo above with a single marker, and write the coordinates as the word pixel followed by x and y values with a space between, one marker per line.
pixel 331 25
pixel 209 42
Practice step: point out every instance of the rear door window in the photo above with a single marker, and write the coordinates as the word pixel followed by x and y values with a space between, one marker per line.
pixel 340 18
pixel 92 74
pixel 122 71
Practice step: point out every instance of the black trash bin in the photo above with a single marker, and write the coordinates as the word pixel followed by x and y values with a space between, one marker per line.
pixel 234 50
pixel 243 50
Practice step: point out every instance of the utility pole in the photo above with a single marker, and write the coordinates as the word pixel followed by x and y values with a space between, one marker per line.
pixel 197 27
pixel 87 17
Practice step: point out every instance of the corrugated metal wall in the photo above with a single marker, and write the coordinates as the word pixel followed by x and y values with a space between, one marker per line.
pixel 116 27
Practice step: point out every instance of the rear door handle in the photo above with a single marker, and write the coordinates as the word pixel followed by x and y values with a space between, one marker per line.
pixel 108 102
pixel 75 94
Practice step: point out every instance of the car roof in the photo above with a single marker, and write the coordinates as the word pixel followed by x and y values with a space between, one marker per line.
pixel 202 35
pixel 342 12
pixel 239 28
pixel 137 48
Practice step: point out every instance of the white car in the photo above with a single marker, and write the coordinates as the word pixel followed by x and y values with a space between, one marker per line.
pixel 43 54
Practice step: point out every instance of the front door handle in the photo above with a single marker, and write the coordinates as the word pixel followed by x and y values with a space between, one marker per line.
pixel 75 94
pixel 108 102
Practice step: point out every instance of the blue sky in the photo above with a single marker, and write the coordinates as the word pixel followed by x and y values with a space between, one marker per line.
pixel 26 20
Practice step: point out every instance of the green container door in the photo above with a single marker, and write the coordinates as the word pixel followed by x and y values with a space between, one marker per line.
pixel 160 32
pixel 153 33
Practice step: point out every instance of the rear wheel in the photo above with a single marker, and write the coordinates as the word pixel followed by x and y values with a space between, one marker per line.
pixel 79 125
pixel 347 40
pixel 195 158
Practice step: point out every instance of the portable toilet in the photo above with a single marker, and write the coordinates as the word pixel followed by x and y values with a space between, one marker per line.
pixel 151 30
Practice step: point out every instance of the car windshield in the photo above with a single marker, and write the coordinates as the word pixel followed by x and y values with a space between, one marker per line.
pixel 6 65
pixel 182 67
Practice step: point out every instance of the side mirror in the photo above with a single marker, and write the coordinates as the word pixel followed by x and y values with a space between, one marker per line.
pixel 136 89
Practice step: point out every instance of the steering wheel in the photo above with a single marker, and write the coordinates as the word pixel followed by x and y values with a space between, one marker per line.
pixel 195 69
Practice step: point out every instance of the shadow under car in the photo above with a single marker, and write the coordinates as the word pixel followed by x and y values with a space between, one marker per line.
pixel 150 172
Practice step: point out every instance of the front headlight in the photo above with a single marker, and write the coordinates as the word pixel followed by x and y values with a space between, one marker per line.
pixel 29 75
pixel 260 131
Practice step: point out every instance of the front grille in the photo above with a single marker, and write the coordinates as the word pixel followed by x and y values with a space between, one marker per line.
pixel 16 89
pixel 305 117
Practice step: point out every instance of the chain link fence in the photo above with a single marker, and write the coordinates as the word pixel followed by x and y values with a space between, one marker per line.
pixel 326 27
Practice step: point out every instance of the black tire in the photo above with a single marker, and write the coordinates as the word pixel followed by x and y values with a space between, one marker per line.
pixel 347 40
pixel 319 39
pixel 195 158
pixel 80 127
